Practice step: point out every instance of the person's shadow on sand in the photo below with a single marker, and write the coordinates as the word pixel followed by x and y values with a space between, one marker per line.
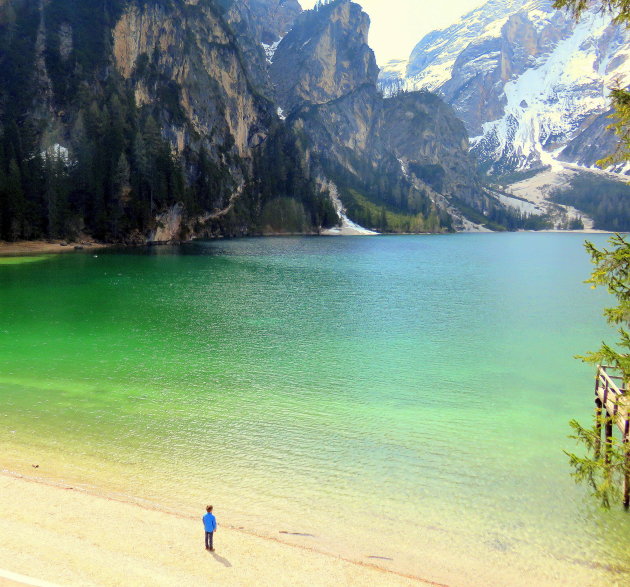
pixel 225 562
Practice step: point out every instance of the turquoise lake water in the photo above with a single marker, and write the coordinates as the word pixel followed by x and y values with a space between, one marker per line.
pixel 402 397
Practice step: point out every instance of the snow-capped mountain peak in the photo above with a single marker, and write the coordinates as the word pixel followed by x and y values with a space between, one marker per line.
pixel 526 79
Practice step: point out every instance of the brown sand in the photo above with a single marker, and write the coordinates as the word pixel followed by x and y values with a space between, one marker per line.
pixel 36 247
pixel 68 537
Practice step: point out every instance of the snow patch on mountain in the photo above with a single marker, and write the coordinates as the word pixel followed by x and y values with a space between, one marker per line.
pixel 549 101
pixel 432 60
pixel 539 18
pixel 270 50
pixel 525 78
pixel 523 206
pixel 347 227
pixel 392 77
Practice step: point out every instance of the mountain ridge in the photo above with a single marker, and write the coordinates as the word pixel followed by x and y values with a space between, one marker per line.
pixel 139 120
pixel 525 78
pixel 357 136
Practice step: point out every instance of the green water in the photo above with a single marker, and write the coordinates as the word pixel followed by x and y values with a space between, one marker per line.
pixel 401 397
pixel 21 260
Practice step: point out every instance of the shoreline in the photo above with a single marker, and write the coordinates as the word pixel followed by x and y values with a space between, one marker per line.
pixel 27 248
pixel 60 534
pixel 38 247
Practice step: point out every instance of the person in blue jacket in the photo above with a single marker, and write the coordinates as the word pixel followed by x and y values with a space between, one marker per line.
pixel 210 524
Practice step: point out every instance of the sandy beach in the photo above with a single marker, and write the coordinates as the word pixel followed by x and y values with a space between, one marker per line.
pixel 37 247
pixel 62 536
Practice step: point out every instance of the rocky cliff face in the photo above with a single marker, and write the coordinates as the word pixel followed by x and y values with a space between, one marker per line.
pixel 325 57
pixel 160 108
pixel 526 79
pixel 408 153
pixel 593 141
pixel 430 143
pixel 180 57
pixel 189 50
pixel 257 26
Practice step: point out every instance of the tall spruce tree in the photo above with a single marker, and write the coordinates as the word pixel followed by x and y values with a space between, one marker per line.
pixel 605 471
pixel 612 269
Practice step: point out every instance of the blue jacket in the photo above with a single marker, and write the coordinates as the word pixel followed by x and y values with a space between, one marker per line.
pixel 209 522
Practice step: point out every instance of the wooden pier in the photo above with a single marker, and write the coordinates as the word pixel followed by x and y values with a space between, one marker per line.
pixel 611 396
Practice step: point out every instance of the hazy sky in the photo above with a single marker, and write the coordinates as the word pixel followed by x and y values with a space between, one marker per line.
pixel 397 25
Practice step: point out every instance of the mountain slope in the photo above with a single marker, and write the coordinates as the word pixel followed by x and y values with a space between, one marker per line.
pixel 158 120
pixel 146 119
pixel 397 163
pixel 526 79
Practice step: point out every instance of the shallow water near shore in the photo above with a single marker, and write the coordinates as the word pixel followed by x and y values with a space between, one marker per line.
pixel 405 398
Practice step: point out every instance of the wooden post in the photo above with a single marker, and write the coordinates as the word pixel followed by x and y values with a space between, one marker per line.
pixel 598 427
pixel 598 416
pixel 626 473
pixel 613 410
pixel 626 447
pixel 608 436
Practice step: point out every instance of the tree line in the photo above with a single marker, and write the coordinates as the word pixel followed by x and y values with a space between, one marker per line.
pixel 606 201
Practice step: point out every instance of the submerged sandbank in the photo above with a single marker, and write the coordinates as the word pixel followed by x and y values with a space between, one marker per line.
pixel 61 535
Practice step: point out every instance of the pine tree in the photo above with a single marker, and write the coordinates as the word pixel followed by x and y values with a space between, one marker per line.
pixel 56 193
pixel 604 472
pixel 621 127
pixel 619 9
pixel 612 269
pixel 15 202
pixel 121 192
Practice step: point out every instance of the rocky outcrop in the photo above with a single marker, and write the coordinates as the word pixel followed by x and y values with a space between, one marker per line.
pixel 408 153
pixel 326 56
pixel 168 226
pixel 192 51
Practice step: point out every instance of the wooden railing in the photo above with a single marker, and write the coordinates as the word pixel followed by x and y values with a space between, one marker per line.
pixel 614 399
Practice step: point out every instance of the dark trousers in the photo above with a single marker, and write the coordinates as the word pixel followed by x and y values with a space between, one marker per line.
pixel 209 540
